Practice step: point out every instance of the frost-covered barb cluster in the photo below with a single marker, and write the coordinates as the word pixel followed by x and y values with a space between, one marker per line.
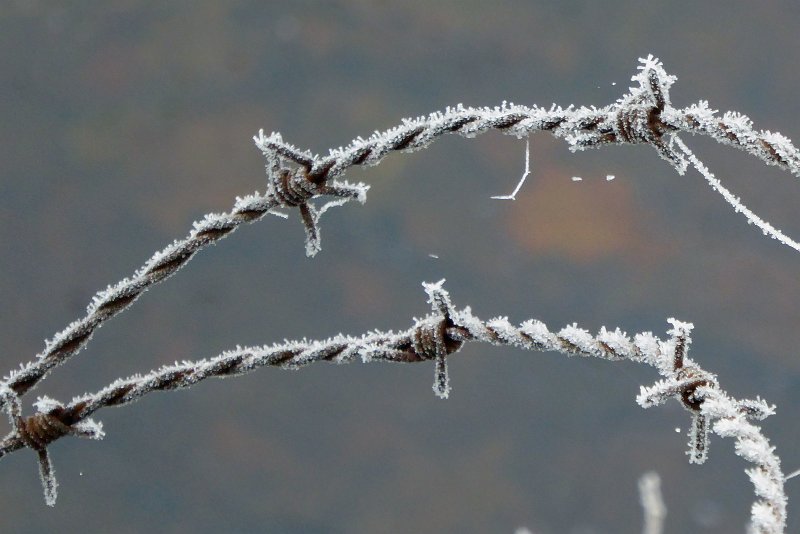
pixel 296 179
pixel 436 337
pixel 714 410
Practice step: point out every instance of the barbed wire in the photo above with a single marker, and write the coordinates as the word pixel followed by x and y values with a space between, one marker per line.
pixel 296 178
pixel 436 337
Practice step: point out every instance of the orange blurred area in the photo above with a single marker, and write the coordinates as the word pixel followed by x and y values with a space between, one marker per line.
pixel 582 221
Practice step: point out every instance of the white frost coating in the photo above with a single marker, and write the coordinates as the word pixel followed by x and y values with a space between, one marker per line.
pixel 680 328
pixel 506 331
pixel 474 325
pixel 763 519
pixel 538 331
pixel 417 133
pixel 48 477
pixel 256 202
pixel 728 415
pixel 45 404
pixel 769 514
pixel 698 439
pixel 90 428
pixel 649 350
pixel 618 342
pixel 438 298
pixel 736 130
pixel 658 393
pixel 268 142
pixel 582 340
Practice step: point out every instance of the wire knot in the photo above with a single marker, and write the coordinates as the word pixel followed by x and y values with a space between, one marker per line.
pixel 431 341
pixel 291 187
pixel 638 124
pixel 637 118
pixel 690 381
pixel 49 423
pixel 40 429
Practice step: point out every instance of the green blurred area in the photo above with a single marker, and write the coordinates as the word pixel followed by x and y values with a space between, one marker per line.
pixel 121 122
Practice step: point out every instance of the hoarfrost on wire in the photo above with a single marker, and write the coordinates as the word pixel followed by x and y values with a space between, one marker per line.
pixel 643 115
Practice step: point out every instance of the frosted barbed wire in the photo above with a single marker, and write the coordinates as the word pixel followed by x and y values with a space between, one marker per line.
pixel 736 130
pixel 642 116
pixel 282 192
pixel 442 333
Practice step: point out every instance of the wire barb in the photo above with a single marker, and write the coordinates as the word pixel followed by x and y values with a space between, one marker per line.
pixel 431 339
pixel 36 432
pixel 294 187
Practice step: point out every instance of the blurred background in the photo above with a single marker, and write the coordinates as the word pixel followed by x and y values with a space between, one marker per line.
pixel 122 121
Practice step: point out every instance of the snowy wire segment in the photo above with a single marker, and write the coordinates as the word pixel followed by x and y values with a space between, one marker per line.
pixel 435 337
pixel 296 177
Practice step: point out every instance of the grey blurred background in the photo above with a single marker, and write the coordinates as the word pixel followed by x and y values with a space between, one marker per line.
pixel 121 122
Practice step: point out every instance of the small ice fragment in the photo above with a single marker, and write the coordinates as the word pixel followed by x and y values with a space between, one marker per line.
pixel 613 83
pixel 576 178
pixel 434 256
pixel 678 429
pixel 609 177
pixel 513 195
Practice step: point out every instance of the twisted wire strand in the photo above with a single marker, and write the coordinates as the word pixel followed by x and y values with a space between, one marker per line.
pixel 736 130
pixel 120 296
pixel 283 192
pixel 643 116
pixel 442 333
